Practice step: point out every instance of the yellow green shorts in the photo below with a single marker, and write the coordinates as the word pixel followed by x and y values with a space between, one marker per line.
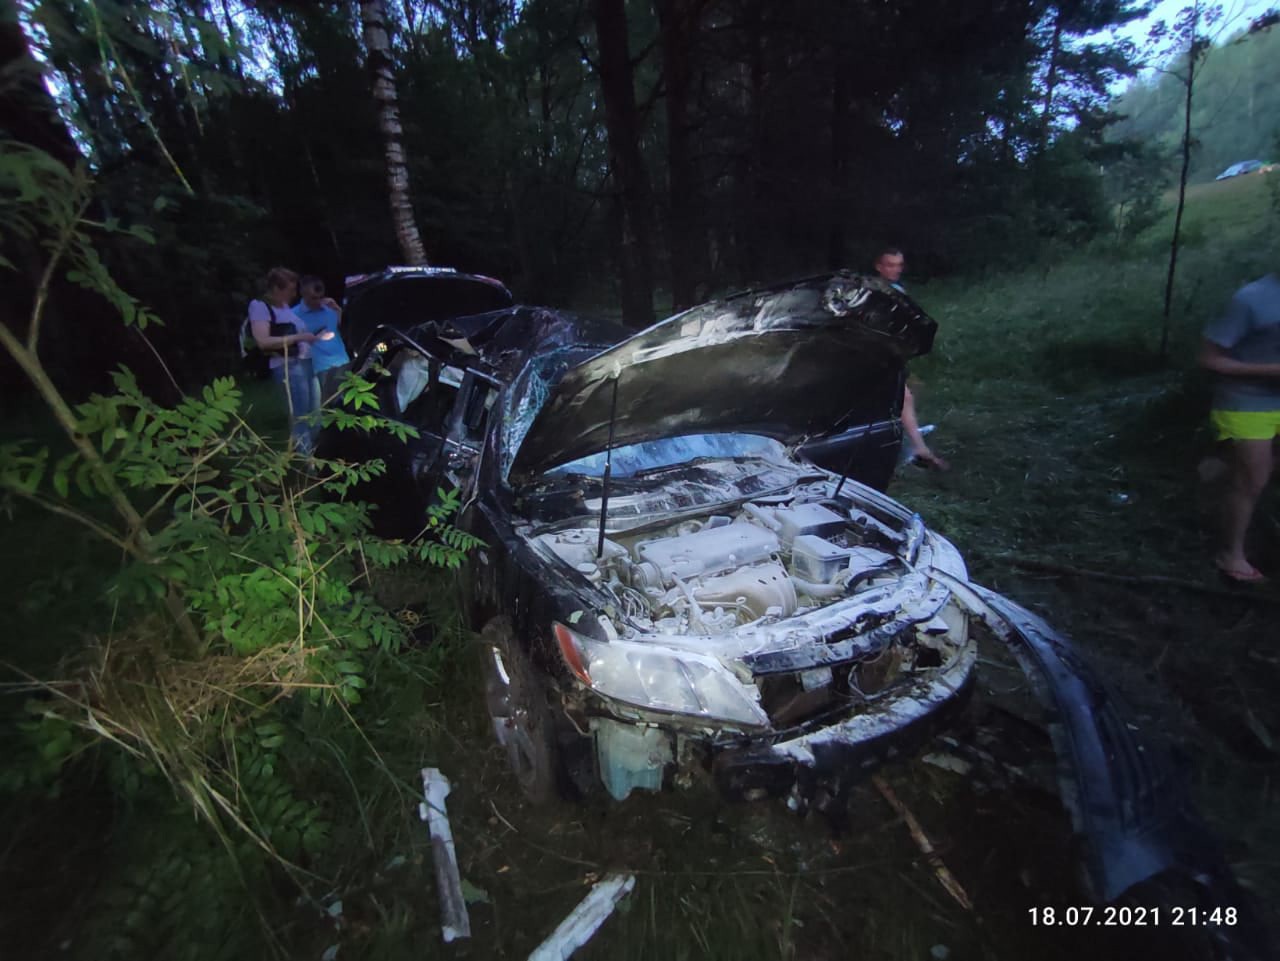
pixel 1245 424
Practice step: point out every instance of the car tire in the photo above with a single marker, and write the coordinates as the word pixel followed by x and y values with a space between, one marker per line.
pixel 516 700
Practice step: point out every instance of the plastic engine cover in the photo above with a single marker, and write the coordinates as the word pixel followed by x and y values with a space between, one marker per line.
pixel 817 560
pixel 805 519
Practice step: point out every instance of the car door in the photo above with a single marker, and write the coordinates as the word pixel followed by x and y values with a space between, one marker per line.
pixel 867 445
pixel 464 433
pixel 415 388
pixel 867 453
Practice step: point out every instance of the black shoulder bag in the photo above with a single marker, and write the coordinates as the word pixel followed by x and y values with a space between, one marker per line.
pixel 278 328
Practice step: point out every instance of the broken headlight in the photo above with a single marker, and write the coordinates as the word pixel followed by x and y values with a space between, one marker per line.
pixel 658 680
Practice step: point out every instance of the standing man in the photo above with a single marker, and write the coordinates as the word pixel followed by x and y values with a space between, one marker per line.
pixel 1243 348
pixel 329 358
pixel 889 265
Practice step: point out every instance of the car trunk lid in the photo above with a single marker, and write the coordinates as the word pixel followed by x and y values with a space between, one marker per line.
pixel 405 297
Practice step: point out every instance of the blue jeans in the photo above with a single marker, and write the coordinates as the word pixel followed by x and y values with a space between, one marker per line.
pixel 327 382
pixel 300 396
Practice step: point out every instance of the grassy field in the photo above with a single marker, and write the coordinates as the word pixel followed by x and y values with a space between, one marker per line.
pixel 1074 449
pixel 1073 490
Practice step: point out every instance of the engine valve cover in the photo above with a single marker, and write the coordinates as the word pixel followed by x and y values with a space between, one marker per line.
pixel 708 551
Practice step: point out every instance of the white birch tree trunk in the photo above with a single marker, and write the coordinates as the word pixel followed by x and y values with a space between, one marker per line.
pixel 373 20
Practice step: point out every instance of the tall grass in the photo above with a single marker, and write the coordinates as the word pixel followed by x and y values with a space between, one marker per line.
pixel 1046 387
pixel 1073 447
pixel 1093 317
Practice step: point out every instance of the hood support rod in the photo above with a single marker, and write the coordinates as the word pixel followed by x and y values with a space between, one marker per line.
pixel 853 448
pixel 608 467
pixel 848 469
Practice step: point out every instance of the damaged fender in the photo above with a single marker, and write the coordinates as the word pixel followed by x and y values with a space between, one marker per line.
pixel 1121 788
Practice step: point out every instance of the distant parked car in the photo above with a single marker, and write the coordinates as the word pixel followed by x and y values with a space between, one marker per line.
pixel 1244 167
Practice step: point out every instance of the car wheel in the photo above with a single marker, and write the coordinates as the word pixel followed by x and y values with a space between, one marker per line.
pixel 515 697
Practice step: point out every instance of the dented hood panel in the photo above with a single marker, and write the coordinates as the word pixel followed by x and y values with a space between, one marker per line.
pixel 787 362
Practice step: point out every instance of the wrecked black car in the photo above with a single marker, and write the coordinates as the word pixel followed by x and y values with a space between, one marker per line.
pixel 667 591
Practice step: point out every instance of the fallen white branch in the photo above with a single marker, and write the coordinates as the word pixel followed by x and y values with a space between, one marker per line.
pixel 584 920
pixel 454 921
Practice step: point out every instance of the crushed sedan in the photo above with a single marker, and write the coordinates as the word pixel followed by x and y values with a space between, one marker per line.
pixel 667 591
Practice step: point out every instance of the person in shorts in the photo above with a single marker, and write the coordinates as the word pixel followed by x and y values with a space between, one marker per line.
pixel 1242 348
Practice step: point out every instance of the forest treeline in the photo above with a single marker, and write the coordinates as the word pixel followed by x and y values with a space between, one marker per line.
pixel 1235 111
pixel 635 153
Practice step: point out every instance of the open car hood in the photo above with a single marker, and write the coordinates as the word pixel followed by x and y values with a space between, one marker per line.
pixel 787 362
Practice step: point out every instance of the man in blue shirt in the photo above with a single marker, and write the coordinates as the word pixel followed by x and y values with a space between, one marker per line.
pixel 1242 347
pixel 329 358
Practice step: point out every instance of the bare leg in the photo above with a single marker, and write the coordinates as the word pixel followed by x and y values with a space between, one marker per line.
pixel 911 424
pixel 1251 464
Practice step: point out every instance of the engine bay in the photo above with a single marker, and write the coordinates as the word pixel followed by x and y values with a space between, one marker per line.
pixel 710 575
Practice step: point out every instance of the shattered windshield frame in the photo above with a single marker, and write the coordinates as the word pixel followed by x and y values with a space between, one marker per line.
pixel 528 394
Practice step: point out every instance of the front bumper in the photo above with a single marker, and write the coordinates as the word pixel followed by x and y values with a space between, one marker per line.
pixel 825 761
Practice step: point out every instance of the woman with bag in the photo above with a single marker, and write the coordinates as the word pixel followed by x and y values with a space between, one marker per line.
pixel 287 343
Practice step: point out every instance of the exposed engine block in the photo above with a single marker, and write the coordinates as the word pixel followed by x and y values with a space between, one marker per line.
pixel 710 575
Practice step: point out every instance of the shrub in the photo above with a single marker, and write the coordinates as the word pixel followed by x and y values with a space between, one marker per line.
pixel 241 599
